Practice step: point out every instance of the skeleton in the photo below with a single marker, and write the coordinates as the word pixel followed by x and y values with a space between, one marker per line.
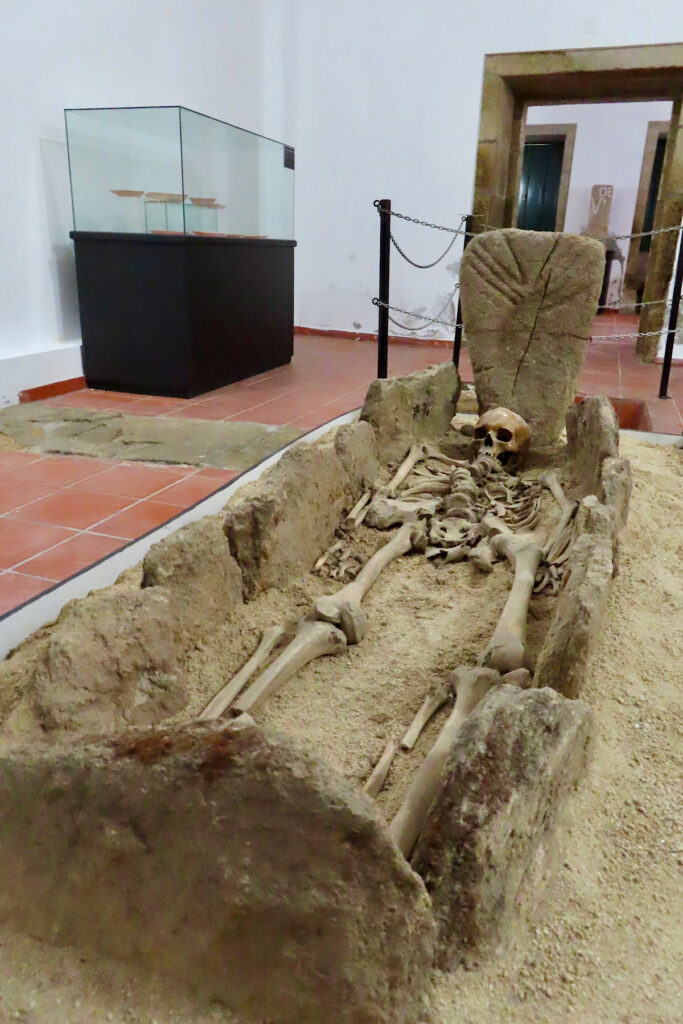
pixel 451 510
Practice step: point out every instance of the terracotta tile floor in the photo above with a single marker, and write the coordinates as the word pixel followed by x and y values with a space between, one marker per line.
pixel 60 514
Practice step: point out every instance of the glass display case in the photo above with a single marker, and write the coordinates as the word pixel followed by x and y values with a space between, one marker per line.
pixel 183 237
pixel 171 170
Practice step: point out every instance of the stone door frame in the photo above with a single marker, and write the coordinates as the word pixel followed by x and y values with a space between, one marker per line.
pixel 514 81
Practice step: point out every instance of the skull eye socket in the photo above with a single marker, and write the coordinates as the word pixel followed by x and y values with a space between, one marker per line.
pixel 503 434
pixel 480 433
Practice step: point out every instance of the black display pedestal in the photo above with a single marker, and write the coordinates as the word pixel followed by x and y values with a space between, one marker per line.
pixel 179 315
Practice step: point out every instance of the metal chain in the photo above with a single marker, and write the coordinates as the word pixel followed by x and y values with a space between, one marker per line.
pixel 425 266
pixel 414 220
pixel 629 305
pixel 420 316
pixel 605 238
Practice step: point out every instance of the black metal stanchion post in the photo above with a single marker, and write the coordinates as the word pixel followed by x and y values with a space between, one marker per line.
pixel 673 321
pixel 384 207
pixel 469 223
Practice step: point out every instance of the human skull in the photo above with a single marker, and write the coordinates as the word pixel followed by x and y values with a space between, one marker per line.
pixel 505 435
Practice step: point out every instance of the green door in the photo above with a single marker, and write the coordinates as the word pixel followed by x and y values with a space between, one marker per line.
pixel 540 186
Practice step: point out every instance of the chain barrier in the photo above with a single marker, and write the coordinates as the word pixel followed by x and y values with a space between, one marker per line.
pixel 413 220
pixel 426 266
pixel 604 238
pixel 630 305
pixel 420 316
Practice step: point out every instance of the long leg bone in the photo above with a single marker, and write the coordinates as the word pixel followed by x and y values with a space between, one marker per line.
pixel 343 608
pixel 431 704
pixel 313 640
pixel 471 685
pixel 379 773
pixel 506 651
pixel 224 697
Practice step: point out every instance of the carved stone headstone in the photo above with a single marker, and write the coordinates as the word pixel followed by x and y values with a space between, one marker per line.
pixel 528 302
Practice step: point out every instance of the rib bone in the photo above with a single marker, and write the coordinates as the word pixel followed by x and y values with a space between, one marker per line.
pixel 506 651
pixel 224 697
pixel 471 685
pixel 343 608
pixel 313 639
pixel 379 773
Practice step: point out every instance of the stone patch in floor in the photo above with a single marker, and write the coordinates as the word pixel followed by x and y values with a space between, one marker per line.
pixel 225 445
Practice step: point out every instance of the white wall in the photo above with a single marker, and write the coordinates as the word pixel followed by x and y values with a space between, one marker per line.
pixel 207 55
pixel 387 105
pixel 380 97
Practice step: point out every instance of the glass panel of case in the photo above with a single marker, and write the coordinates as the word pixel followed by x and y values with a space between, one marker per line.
pixel 169 170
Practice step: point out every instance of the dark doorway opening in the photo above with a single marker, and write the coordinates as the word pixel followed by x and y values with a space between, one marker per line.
pixel 653 192
pixel 540 185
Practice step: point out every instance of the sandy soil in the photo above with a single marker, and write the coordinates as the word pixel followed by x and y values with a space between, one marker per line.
pixel 605 944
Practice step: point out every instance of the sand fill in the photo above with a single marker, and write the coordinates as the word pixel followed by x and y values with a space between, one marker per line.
pixel 605 944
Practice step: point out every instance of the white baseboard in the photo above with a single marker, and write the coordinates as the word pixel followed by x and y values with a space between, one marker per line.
pixel 33 369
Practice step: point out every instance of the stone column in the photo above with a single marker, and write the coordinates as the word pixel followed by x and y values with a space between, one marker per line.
pixel 668 212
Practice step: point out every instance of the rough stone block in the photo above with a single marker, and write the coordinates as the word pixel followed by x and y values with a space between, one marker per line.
pixel 576 624
pixel 283 523
pixel 592 435
pixel 357 448
pixel 528 302
pixel 225 857
pixel 417 407
pixel 515 759
pixel 616 484
pixel 109 660
pixel 204 581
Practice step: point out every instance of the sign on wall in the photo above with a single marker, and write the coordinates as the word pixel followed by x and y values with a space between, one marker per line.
pixel 601 205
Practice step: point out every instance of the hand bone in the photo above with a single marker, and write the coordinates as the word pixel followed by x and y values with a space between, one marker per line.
pixel 471 685
pixel 313 640
pixel 224 697
pixel 506 650
pixel 343 608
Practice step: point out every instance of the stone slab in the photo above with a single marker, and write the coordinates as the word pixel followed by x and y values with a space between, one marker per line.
pixel 616 485
pixel 592 436
pixel 515 759
pixel 234 445
pixel 204 582
pixel 576 624
pixel 108 660
pixel 358 450
pixel 417 407
pixel 226 858
pixel 280 525
pixel 528 302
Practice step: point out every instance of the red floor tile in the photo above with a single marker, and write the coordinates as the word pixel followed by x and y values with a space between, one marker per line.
pixel 73 508
pixel 224 475
pixel 20 540
pixel 137 520
pixel 15 492
pixel 12 460
pixel 187 492
pixel 61 470
pixel 15 588
pixel 70 557
pixel 134 481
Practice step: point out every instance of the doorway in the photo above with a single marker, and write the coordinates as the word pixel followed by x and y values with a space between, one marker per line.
pixel 539 191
